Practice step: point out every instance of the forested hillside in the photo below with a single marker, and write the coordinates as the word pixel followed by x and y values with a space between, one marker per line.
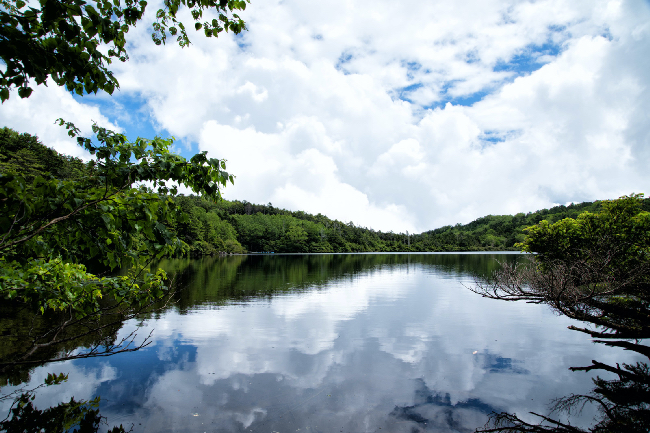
pixel 238 226
pixel 229 225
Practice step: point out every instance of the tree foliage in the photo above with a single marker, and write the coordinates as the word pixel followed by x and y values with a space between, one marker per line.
pixel 73 42
pixel 594 268
pixel 266 228
pixel 60 217
pixel 52 229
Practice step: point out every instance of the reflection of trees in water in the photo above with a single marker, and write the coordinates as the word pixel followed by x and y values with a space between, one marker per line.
pixel 76 416
pixel 617 306
pixel 29 340
pixel 218 280
pixel 623 404
pixel 85 339
pixel 435 412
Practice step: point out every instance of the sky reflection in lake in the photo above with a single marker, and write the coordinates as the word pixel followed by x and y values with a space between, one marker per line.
pixel 379 343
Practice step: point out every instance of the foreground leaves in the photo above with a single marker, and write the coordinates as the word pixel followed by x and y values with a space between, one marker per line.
pixel 73 42
pixel 103 217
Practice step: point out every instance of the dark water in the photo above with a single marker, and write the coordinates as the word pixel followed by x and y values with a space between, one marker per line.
pixel 334 343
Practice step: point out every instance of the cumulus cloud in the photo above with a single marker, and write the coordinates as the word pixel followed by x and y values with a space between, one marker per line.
pixel 403 116
pixel 307 179
pixel 37 116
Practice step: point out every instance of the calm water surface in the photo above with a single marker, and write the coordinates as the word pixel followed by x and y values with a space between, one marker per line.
pixel 334 343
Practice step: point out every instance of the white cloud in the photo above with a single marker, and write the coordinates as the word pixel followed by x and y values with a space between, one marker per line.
pixel 306 105
pixel 37 116
pixel 307 180
pixel 251 90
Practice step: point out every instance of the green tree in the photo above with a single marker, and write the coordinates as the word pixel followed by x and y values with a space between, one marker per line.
pixel 73 42
pixel 53 223
pixel 594 268
pixel 296 239
pixel 51 229
pixel 56 222
pixel 23 154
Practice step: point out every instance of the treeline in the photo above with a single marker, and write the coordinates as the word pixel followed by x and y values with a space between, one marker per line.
pixel 24 154
pixel 238 226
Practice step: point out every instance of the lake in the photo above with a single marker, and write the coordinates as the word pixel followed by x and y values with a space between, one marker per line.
pixel 334 343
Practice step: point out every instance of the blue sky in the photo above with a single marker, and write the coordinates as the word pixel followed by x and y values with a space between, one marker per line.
pixel 397 116
pixel 140 122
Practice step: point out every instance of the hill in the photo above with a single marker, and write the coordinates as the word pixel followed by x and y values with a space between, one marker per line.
pixel 265 228
pixel 240 226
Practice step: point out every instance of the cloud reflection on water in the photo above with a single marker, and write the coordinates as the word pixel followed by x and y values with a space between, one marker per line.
pixel 390 347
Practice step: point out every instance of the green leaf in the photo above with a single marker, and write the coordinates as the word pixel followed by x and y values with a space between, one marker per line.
pixel 24 92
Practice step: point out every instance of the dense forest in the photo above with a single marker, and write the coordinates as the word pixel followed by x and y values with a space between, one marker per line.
pixel 211 228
